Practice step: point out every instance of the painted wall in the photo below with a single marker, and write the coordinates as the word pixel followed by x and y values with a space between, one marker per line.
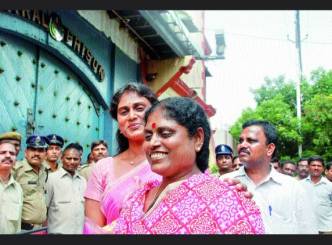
pixel 125 70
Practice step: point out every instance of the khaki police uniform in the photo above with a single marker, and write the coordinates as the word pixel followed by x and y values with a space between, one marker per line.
pixel 48 167
pixel 85 170
pixel 33 185
pixel 11 202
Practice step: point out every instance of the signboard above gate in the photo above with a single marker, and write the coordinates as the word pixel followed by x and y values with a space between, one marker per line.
pixel 51 22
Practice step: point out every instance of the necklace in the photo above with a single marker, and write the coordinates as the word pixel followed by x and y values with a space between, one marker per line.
pixel 136 160
pixel 131 162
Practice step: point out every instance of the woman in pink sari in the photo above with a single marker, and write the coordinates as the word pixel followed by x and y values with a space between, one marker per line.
pixel 186 200
pixel 113 178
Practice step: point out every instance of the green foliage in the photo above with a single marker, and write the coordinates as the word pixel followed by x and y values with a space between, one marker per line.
pixel 318 124
pixel 214 168
pixel 276 102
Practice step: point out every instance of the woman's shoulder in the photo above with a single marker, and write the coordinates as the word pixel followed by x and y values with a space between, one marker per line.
pixel 107 161
pixel 102 167
pixel 209 187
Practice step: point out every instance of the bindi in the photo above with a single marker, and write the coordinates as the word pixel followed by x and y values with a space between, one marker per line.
pixel 154 125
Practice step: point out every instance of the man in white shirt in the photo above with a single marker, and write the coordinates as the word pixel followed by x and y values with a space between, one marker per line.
pixel 64 196
pixel 11 194
pixel 321 189
pixel 284 203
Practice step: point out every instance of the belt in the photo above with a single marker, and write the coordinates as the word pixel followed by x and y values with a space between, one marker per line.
pixel 27 226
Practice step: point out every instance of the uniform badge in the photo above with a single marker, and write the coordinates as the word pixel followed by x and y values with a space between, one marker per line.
pixel 38 140
pixel 54 138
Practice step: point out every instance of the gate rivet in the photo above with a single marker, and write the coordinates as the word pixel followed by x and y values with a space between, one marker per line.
pixel 17 78
pixel 56 71
pixel 55 93
pixel 97 129
pixel 68 77
pixel 67 98
pixel 19 53
pixel 16 103
pixel 79 102
pixel 88 126
pixel 34 61
pixel 66 119
pixel 32 85
pixel 40 111
pixel 14 129
pixel 42 65
pixel 78 123
pixel 1 70
pixel 2 43
pixel 54 115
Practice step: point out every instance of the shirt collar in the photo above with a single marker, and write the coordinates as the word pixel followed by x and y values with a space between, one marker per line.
pixel 10 182
pixel 273 175
pixel 323 180
pixel 27 167
pixel 63 173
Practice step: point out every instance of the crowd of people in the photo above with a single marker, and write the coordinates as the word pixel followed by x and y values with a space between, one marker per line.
pixel 293 197
pixel 157 182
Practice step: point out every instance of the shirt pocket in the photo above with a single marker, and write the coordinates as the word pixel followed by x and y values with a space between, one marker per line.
pixel 65 199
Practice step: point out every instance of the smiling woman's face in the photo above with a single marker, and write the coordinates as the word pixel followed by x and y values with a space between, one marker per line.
pixel 169 149
pixel 130 115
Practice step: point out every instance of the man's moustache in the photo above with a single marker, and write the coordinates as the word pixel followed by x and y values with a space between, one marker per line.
pixel 7 160
pixel 244 150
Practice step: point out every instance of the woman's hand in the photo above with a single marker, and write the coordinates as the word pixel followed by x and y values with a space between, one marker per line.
pixel 239 186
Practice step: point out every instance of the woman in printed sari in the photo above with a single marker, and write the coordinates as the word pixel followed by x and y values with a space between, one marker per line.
pixel 185 200
pixel 113 178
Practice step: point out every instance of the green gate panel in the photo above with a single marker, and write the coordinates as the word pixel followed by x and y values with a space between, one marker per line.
pixel 40 94
pixel 63 106
pixel 17 83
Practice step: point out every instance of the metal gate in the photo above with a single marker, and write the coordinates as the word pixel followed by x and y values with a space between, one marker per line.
pixel 40 94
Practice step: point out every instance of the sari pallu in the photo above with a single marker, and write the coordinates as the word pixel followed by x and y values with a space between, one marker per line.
pixel 114 190
pixel 201 204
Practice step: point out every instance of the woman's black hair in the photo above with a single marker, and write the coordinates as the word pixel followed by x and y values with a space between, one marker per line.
pixel 141 90
pixel 189 114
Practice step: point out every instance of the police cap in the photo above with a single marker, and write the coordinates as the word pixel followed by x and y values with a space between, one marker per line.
pixel 223 149
pixel 36 141
pixel 54 139
pixel 11 136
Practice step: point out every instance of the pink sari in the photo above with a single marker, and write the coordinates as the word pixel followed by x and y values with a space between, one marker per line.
pixel 111 192
pixel 202 204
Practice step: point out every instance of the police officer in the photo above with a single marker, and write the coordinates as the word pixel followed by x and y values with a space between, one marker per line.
pixel 11 194
pixel 224 157
pixel 13 138
pixel 54 151
pixel 31 174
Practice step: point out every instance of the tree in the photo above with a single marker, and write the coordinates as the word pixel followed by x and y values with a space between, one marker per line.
pixel 276 102
pixel 317 125
pixel 280 114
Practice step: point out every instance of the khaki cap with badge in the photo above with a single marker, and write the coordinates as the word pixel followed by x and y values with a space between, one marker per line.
pixel 10 136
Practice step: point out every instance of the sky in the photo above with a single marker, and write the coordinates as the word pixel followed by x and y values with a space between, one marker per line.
pixel 261 44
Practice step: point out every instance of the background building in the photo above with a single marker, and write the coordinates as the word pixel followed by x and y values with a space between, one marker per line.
pixel 59 69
